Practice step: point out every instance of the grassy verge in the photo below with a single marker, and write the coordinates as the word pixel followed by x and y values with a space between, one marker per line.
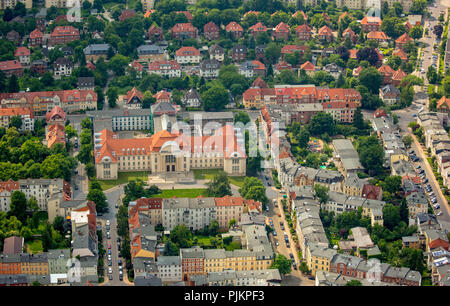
pixel 208 174
pixel 123 178
pixel 181 193
pixel 35 247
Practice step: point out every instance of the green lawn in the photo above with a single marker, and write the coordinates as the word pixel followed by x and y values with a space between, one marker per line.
pixel 124 177
pixel 208 174
pixel 35 247
pixel 181 193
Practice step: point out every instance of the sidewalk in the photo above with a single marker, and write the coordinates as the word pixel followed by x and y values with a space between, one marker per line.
pixel 125 278
pixel 428 166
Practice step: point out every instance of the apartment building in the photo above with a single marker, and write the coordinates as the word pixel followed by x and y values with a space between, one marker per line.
pixel 12 3
pixel 169 69
pixel 187 55
pixel 44 101
pixel 95 51
pixel 25 114
pixel 151 53
pixel 43 189
pixel 169 268
pixel 63 35
pixel 196 213
pixel 6 190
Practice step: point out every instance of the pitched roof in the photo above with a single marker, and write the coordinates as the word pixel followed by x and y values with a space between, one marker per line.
pixel 400 53
pixel 187 51
pixel 55 134
pixel 377 35
pixel 16 111
pixel 303 28
pixel 385 69
pixel 234 27
pixel 22 51
pixel 399 75
pixel 282 27
pixel 259 83
pixel 13 245
pixel 259 27
pixel 36 34
pixel 308 66
pixel 403 39
pixel 443 101
pixel 134 93
pixel 370 20
pixel 325 30
pixel 10 65
pixel 287 49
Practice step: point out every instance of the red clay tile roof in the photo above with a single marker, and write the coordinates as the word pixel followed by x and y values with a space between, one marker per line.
pixel 186 13
pixel 308 66
pixel 377 35
pixel 287 49
pixel 400 53
pixel 22 51
pixel 57 112
pixel 259 27
pixel 183 27
pixel 443 101
pixel 16 111
pixel 259 83
pixel 385 69
pixel 403 39
pixel 36 34
pixel 187 51
pixel 64 31
pixel 157 65
pixel 234 27
pixel 251 12
pixel 10 65
pixel 399 75
pixel 55 134
pixel 210 27
pixel 353 53
pixel 371 20
pixel 303 28
pixel 282 27
pixel 134 93
pixel 325 30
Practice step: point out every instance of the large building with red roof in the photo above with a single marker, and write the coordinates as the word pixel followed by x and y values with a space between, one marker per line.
pixel 170 69
pixel 44 101
pixel 63 35
pixel 303 32
pixel 169 152
pixel 281 31
pixel 184 30
pixel 187 55
pixel 369 23
pixel 36 38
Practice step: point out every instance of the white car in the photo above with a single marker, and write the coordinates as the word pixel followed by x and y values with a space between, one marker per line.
pixel 439 213
pixel 107 222
pixel 109 270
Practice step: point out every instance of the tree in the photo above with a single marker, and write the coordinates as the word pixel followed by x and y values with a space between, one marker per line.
pixel 432 75
pixel 272 52
pixel 232 223
pixel 241 116
pixel 215 98
pixel 58 224
pixel 181 235
pixel 404 212
pixel 118 63
pixel 213 228
pixel 18 205
pixel 358 119
pixel 171 249
pixel 16 122
pixel 283 264
pixel 13 84
pixel 98 197
pixel 86 123
pixel 354 282
pixel 416 32
pixel 303 138
pixel 254 189
pixel 407 140
pixel 321 193
pixel 368 54
pixel 112 94
pixel 70 131
pixel 371 78
pixel 219 186
pixel 322 123
pixel 418 7
pixel 391 216
pixel 392 184
pixel 371 154
pixel 47 237
pixel 438 29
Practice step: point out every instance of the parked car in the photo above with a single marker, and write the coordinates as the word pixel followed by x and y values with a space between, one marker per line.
pixel 291 256
pixel 110 277
pixel 425 181
pixel 294 265
pixel 431 194
pixel 107 222
pixel 439 213
pixel 120 277
pixel 117 205
pixel 109 263
pixel 110 270
pixel 418 167
pixel 437 206
pixel 274 233
pixel 76 187
pixel 277 243
pixel 109 245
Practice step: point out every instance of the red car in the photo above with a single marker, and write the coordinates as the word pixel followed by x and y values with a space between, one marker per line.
pixel 109 246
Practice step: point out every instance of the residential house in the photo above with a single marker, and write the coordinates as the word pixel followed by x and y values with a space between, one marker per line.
pixel 62 67
pixel 63 35
pixel 235 29
pixel 187 55
pixel 151 53
pixel 23 55
pixel 238 53
pixel 170 69
pixel 133 99
pixel 36 38
pixel 191 99
pixel 155 33
pixel 281 31
pixel 252 68
pixel 95 51
pixel 370 23
pixel 216 52
pixel 303 32
pixel 210 69
pixel 390 94
pixel 402 41
pixel 11 67
pixel 325 34
pixel 258 28
pixel 211 31
pixel 183 30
